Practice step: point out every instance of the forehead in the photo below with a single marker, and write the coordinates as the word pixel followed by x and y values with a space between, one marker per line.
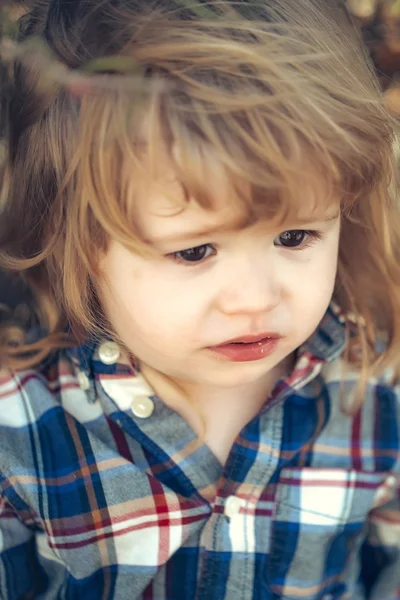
pixel 163 209
pixel 166 208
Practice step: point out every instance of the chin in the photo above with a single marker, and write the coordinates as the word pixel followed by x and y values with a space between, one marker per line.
pixel 242 373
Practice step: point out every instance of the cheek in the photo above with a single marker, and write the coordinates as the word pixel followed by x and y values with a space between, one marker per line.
pixel 165 300
pixel 149 307
pixel 313 286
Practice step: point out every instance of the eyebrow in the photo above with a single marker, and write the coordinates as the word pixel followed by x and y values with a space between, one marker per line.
pixel 235 227
pixel 318 219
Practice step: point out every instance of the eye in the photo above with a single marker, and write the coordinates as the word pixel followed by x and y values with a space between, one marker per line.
pixel 294 238
pixel 193 255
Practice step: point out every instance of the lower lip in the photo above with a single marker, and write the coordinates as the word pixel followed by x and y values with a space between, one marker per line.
pixel 247 352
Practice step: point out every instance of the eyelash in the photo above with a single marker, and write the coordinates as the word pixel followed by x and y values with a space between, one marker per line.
pixel 310 238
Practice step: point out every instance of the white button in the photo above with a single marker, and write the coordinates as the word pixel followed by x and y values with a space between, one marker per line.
pixel 385 492
pixel 391 481
pixel 123 389
pixel 109 353
pixel 83 381
pixel 142 407
pixel 233 505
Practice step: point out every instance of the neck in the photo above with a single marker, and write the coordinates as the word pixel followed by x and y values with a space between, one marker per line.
pixel 225 411
pixel 217 414
pixel 244 400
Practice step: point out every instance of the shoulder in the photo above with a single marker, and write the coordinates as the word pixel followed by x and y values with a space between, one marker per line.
pixel 339 375
pixel 24 395
pixel 36 426
pixel 29 397
pixel 17 391
pixel 368 424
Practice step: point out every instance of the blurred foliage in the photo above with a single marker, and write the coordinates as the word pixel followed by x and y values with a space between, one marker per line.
pixel 10 12
pixel 379 21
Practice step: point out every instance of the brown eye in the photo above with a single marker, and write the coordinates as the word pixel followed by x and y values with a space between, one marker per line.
pixel 194 255
pixel 292 238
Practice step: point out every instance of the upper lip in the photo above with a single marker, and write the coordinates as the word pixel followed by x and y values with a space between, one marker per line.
pixel 248 339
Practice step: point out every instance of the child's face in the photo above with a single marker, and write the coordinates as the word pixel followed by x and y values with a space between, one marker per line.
pixel 242 282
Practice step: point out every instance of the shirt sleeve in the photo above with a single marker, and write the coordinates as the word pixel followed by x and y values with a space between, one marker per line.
pixel 380 554
pixel 21 576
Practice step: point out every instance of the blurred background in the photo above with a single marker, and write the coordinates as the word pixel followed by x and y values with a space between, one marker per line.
pixel 379 23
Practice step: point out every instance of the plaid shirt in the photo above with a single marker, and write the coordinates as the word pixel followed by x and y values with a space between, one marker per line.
pixel 100 499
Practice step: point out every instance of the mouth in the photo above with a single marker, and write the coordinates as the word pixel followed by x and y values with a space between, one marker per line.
pixel 247 348
pixel 252 339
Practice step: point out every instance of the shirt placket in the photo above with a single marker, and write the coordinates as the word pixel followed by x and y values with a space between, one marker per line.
pixel 239 525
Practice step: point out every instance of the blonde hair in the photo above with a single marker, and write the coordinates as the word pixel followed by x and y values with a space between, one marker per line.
pixel 257 90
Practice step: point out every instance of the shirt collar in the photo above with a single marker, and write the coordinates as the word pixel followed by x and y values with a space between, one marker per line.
pixel 329 340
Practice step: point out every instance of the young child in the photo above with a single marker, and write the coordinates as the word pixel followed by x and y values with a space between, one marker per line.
pixel 201 197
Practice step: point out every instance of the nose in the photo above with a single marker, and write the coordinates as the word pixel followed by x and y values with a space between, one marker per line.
pixel 250 286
